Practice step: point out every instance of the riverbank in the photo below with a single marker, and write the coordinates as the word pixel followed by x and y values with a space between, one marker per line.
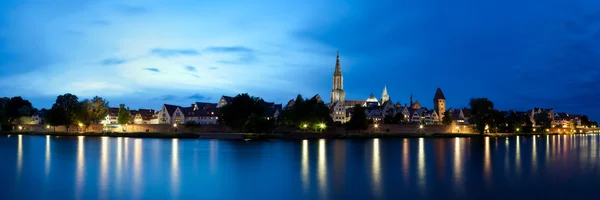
pixel 286 136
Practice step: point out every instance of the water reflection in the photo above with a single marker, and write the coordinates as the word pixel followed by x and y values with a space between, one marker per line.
pixel 119 160
pixel 214 145
pixel 19 156
pixel 80 166
pixel 421 164
pixel 405 160
pixel 305 164
pixel 47 156
pixel 137 167
pixel 175 167
pixel 458 165
pixel 322 170
pixel 534 154
pixel 103 166
pixel 376 169
pixel 518 156
pixel 487 162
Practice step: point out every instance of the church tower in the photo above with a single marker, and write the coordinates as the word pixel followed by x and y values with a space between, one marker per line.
pixel 384 96
pixel 439 103
pixel 337 93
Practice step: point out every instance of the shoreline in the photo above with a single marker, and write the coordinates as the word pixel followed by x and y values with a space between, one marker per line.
pixel 276 136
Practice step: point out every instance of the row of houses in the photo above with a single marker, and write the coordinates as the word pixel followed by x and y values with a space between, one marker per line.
pixel 198 112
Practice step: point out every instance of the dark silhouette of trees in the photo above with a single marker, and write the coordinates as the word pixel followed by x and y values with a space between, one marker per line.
pixel 358 121
pixel 63 111
pixel 124 115
pixel 543 120
pixel 447 119
pixel 246 113
pixel 481 112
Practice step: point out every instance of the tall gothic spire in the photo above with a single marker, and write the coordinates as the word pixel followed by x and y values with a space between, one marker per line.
pixel 384 95
pixel 411 102
pixel 338 70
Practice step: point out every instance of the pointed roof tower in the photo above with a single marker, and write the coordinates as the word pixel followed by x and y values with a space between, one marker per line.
pixel 411 101
pixel 439 95
pixel 384 95
pixel 338 70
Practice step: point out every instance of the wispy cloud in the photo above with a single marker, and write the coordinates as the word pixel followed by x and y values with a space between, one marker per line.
pixel 199 97
pixel 112 61
pixel 194 75
pixel 166 97
pixel 130 9
pixel 162 52
pixel 213 68
pixel 190 68
pixel 232 49
pixel 152 70
pixel 100 22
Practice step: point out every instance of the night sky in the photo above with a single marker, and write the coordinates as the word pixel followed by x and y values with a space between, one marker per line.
pixel 520 54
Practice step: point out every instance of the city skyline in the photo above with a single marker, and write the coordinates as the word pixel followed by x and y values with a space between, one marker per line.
pixel 151 53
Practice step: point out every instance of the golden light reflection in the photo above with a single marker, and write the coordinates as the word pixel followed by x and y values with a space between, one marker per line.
pixel 137 167
pixel 487 160
pixel 19 156
pixel 518 156
pixel 175 168
pixel 80 166
pixel 421 163
pixel 405 160
pixel 376 168
pixel 119 160
pixel 457 164
pixel 47 161
pixel 322 170
pixel 103 166
pixel 534 155
pixel 305 165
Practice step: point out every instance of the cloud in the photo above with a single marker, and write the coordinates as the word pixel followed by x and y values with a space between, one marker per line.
pixel 100 22
pixel 245 55
pixel 194 75
pixel 162 52
pixel 152 70
pixel 232 49
pixel 213 68
pixel 199 97
pixel 112 61
pixel 190 68
pixel 166 97
pixel 129 9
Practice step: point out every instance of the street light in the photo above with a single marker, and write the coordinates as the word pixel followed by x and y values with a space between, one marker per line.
pixel 305 125
pixel 421 126
pixel 322 125
pixel 517 129
pixel 175 125
pixel 376 125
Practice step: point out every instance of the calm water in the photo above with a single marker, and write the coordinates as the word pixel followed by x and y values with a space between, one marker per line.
pixel 553 167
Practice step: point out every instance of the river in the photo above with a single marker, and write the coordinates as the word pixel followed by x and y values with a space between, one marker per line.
pixel 545 167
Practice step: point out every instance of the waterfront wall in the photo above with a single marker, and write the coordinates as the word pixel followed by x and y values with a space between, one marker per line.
pixel 163 128
pixel 216 128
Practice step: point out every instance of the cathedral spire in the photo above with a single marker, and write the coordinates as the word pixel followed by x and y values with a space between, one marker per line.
pixel 384 95
pixel 338 70
pixel 411 102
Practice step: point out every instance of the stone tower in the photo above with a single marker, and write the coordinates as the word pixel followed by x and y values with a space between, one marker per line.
pixel 439 103
pixel 337 93
pixel 384 95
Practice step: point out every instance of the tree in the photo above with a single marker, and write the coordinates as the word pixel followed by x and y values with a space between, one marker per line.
pixel 497 121
pixel 124 115
pixel 92 111
pixel 306 111
pixel 543 120
pixel 359 119
pixel 585 120
pixel 481 110
pixel 447 119
pixel 398 118
pixel 16 108
pixel 63 111
pixel 245 113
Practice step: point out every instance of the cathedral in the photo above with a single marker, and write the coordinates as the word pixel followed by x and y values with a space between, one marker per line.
pixel 377 110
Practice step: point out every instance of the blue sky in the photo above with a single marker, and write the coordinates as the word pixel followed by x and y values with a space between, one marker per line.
pixel 520 54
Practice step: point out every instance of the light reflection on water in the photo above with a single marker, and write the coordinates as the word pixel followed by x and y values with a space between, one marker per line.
pixel 342 169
